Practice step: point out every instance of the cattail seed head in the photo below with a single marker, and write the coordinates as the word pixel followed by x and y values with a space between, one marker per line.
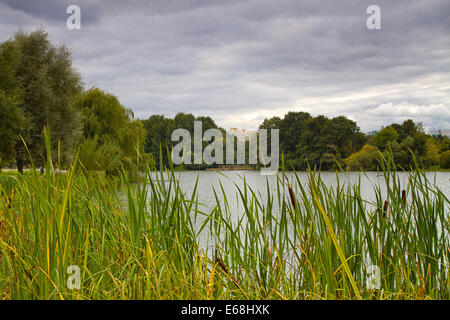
pixel 385 207
pixel 292 196
pixel 404 196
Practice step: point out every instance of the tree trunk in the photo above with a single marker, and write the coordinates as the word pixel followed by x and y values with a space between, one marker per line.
pixel 20 165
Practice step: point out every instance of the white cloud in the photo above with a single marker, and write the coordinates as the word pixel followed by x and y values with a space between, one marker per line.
pixel 431 116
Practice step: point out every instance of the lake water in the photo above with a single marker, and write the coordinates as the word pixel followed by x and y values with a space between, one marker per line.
pixel 210 180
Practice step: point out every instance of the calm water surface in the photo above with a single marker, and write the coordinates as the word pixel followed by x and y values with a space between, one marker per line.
pixel 208 181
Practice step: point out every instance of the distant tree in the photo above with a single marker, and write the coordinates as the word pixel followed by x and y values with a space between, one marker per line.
pixel 207 123
pixel 443 143
pixel 431 156
pixel 385 137
pixel 445 160
pixel 314 142
pixel 270 124
pixel 345 135
pixel 409 128
pixel 291 128
pixel 365 159
pixel 185 121
pixel 158 131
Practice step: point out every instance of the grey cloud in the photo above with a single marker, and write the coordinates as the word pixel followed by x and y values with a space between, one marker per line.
pixel 239 61
pixel 54 11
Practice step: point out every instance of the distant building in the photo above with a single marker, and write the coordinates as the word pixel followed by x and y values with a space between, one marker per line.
pixel 242 134
pixel 440 132
pixel 372 133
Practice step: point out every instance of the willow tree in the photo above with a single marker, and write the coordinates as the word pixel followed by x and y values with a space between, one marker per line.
pixel 13 120
pixel 49 85
pixel 111 136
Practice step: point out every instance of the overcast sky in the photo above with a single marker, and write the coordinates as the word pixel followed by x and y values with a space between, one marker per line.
pixel 242 61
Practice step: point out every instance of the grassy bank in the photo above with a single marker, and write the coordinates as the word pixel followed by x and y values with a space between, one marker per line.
pixel 141 241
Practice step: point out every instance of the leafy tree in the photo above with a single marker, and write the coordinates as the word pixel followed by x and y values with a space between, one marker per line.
pixel 431 156
pixel 13 122
pixel 185 121
pixel 314 142
pixel 385 137
pixel 443 143
pixel 445 160
pixel 9 63
pixel 345 135
pixel 409 128
pixel 291 129
pixel 109 131
pixel 48 85
pixel 325 142
pixel 158 131
pixel 270 124
pixel 319 141
pixel 365 159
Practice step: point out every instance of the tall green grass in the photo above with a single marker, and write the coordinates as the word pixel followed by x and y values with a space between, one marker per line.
pixel 142 240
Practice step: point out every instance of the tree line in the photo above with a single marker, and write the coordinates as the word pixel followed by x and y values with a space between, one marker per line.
pixel 338 142
pixel 39 87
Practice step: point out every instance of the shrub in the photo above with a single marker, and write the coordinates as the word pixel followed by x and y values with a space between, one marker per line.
pixel 445 160
pixel 366 159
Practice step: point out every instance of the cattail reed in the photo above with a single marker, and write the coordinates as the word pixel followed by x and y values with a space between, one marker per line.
pixel 227 271
pixel 291 194
pixel 385 207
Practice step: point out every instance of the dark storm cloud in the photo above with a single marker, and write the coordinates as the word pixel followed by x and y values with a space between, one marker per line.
pixel 242 61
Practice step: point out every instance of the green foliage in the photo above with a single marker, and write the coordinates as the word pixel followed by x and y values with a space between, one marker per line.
pixel 159 133
pixel 365 159
pixel 9 64
pixel 317 141
pixel 445 159
pixel 95 156
pixel 40 77
pixel 385 137
pixel 13 122
pixel 408 143
pixel 443 143
pixel 110 135
pixel 431 156
pixel 13 119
